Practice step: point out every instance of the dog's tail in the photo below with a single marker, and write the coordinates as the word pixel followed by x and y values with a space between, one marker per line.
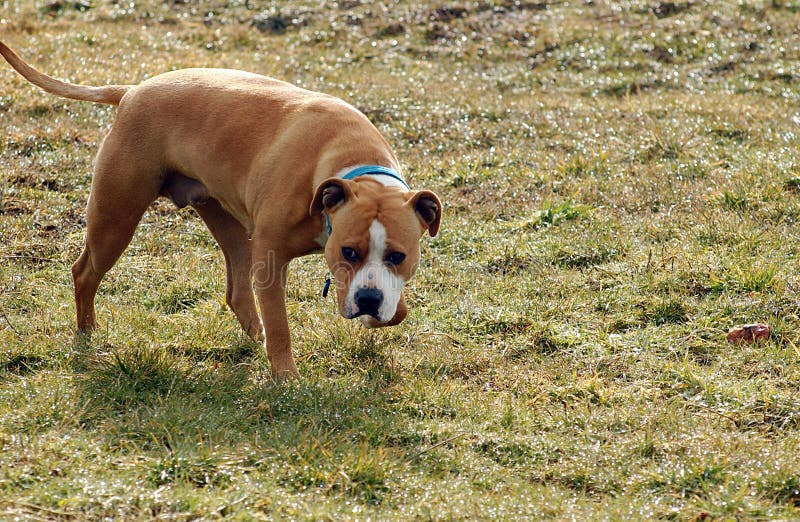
pixel 109 94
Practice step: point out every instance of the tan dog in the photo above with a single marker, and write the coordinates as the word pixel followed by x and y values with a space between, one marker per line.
pixel 263 162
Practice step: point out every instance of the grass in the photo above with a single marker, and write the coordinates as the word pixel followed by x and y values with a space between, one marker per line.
pixel 621 187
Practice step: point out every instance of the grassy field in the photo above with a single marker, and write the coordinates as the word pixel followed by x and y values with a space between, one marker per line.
pixel 621 184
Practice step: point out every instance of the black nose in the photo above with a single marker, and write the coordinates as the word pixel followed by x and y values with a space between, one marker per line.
pixel 368 301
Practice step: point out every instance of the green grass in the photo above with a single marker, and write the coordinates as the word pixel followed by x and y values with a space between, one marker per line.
pixel 620 183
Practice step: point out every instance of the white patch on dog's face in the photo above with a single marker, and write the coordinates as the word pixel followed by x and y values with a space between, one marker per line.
pixel 375 274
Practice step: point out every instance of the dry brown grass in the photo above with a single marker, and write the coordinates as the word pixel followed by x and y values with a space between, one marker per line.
pixel 620 182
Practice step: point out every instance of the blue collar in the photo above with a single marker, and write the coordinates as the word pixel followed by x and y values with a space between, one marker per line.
pixel 365 171
pixel 375 169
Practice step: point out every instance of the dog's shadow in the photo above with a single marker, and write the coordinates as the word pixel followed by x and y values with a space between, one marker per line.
pixel 163 397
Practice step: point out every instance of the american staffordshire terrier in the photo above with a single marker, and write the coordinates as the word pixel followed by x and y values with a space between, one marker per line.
pixel 274 170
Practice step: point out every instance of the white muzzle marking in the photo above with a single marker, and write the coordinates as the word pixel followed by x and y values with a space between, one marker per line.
pixel 374 274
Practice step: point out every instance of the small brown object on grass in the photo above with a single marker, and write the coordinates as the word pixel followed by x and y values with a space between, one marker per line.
pixel 749 333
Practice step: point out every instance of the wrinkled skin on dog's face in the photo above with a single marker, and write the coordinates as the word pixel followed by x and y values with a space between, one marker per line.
pixel 373 249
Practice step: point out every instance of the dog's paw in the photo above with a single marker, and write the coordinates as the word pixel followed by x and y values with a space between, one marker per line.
pixel 284 371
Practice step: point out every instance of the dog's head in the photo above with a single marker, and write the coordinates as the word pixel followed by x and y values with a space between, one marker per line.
pixel 373 249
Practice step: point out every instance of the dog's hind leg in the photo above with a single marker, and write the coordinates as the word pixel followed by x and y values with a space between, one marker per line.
pixel 235 244
pixel 123 186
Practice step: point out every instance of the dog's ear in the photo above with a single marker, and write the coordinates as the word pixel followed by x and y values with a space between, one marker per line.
pixel 330 194
pixel 428 208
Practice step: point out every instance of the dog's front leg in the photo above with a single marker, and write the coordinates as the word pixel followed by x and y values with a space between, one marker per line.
pixel 269 276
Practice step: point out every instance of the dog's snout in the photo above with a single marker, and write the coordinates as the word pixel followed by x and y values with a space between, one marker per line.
pixel 368 300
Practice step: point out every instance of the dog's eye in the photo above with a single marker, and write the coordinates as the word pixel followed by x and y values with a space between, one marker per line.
pixel 395 258
pixel 349 254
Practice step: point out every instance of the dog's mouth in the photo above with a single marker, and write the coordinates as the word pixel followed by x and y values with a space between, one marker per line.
pixel 368 320
pixel 364 315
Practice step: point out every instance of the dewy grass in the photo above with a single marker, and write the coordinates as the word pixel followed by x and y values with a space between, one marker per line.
pixel 621 187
